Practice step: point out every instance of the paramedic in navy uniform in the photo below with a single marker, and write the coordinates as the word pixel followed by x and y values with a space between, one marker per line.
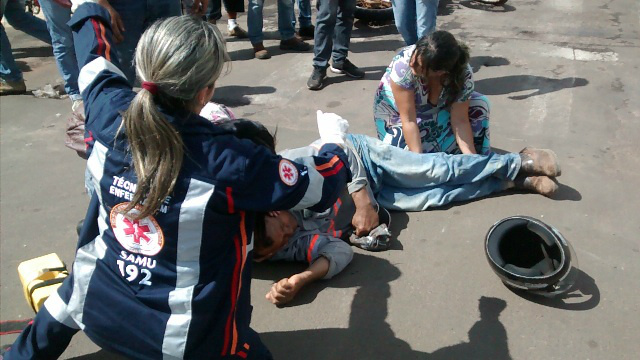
pixel 163 263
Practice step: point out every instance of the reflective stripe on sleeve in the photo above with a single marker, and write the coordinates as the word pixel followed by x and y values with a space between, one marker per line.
pixel 192 213
pixel 90 71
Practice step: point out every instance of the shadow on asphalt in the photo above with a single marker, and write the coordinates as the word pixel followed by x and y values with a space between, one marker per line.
pixel 477 62
pixel 40 51
pixel 515 83
pixel 236 95
pixel 371 73
pixel 584 295
pixel 376 45
pixel 399 222
pixel 566 192
pixel 446 7
pixel 368 335
pixel 487 7
pixel 23 66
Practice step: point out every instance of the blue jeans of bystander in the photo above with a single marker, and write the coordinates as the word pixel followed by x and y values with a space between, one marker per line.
pixel 255 20
pixel 403 180
pixel 62 41
pixel 304 14
pixel 136 17
pixel 14 12
pixel 415 18
pixel 334 22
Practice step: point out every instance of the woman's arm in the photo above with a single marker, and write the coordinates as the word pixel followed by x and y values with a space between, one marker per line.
pixel 95 53
pixel 461 127
pixel 406 104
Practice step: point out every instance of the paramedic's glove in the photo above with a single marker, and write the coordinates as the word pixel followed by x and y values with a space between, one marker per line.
pixel 332 128
pixel 283 291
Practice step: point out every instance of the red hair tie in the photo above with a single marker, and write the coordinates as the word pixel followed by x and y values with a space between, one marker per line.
pixel 150 87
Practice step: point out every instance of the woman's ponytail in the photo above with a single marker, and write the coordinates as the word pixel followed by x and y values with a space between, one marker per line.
pixel 157 151
pixel 175 59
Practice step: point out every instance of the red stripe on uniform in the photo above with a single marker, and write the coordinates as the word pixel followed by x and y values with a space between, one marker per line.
pixel 88 139
pixel 234 296
pixel 96 28
pixel 334 171
pixel 103 35
pixel 230 200
pixel 243 236
pixel 329 164
pixel 310 251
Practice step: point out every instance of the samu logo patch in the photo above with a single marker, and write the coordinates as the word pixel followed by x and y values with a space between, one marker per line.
pixel 288 172
pixel 143 236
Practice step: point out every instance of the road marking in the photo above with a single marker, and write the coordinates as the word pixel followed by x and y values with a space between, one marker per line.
pixel 583 55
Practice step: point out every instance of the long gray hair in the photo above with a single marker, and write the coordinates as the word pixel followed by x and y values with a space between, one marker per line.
pixel 181 56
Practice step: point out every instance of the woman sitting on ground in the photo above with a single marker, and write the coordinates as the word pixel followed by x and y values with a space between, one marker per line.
pixel 426 100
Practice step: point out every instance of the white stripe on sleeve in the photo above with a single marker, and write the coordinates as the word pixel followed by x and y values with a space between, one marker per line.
pixel 316 181
pixel 191 220
pixel 90 71
pixel 86 256
pixel 58 310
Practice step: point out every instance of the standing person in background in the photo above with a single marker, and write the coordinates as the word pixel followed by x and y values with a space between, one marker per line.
pixel 163 264
pixel 233 7
pixel 130 18
pixel 58 13
pixel 332 38
pixel 306 29
pixel 11 79
pixel 415 18
pixel 288 39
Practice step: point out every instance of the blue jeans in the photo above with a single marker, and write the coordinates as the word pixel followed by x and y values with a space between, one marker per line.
pixel 304 14
pixel 415 18
pixel 407 181
pixel 14 12
pixel 62 40
pixel 255 20
pixel 137 16
pixel 334 22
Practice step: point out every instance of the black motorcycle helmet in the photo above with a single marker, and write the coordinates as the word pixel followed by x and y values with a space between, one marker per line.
pixel 531 255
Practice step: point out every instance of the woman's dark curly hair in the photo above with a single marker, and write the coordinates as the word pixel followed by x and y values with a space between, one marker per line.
pixel 441 51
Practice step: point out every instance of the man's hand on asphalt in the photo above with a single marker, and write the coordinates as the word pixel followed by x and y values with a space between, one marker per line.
pixel 282 292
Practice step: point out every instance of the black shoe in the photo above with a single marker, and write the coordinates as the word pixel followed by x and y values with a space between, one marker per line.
pixel 307 32
pixel 316 80
pixel 294 44
pixel 348 69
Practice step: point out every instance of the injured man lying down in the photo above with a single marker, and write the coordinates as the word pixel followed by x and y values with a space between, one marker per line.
pixel 383 177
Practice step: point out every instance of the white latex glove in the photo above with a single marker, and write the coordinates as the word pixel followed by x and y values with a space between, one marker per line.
pixel 332 127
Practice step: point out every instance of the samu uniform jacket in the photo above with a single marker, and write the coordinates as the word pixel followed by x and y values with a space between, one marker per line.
pixel 176 284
